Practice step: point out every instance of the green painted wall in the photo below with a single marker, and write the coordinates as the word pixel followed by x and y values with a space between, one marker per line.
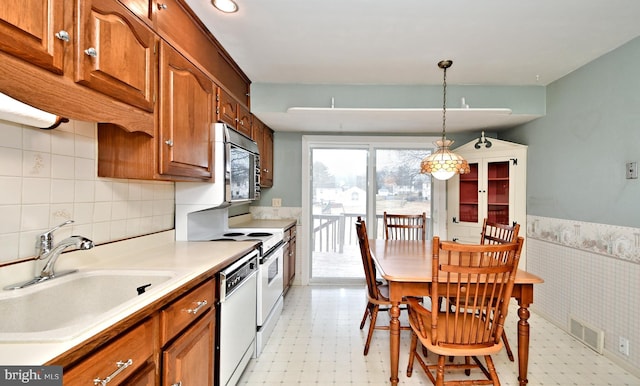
pixel 578 151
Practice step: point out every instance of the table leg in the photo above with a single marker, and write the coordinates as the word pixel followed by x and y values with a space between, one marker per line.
pixel 524 300
pixel 394 341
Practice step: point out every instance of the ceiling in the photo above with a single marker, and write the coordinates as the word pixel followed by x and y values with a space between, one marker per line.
pixel 374 42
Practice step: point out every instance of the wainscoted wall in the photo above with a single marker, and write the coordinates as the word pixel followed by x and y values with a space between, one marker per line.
pixel 591 272
pixel 50 176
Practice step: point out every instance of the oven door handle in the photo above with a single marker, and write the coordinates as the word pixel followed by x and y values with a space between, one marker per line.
pixel 270 256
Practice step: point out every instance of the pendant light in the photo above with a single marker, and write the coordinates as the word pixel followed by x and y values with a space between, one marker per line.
pixel 443 164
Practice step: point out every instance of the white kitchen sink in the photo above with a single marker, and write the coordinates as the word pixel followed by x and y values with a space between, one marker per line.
pixel 64 307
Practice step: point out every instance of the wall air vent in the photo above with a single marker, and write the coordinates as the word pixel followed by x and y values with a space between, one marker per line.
pixel 590 336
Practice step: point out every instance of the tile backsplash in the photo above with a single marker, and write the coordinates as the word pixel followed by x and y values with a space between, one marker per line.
pixel 50 176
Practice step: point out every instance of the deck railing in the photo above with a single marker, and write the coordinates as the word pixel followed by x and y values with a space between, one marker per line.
pixel 331 232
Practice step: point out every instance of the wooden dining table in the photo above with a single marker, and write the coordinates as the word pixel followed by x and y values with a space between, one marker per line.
pixel 406 266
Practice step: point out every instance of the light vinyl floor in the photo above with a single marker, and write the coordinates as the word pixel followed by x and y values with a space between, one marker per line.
pixel 317 341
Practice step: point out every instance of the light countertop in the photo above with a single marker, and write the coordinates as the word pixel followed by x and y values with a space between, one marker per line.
pixel 153 252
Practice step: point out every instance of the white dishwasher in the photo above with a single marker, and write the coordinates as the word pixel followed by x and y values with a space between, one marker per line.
pixel 237 318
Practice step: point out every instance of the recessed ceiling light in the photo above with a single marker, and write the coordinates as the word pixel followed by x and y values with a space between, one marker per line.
pixel 226 6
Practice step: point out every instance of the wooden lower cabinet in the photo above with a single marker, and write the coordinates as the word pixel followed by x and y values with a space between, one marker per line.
pixel 289 270
pixel 173 345
pixel 125 357
pixel 189 360
pixel 146 376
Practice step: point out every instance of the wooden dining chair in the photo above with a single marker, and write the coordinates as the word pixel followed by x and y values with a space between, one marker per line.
pixel 377 293
pixel 495 233
pixel 478 279
pixel 405 226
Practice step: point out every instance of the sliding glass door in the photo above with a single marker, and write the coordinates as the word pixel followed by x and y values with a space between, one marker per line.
pixel 347 181
pixel 338 197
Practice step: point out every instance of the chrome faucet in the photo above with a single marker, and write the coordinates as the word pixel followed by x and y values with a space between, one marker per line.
pixel 79 242
pixel 47 251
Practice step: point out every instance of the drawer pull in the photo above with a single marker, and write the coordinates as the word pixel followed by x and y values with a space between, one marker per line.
pixel 199 306
pixel 121 366
pixel 179 383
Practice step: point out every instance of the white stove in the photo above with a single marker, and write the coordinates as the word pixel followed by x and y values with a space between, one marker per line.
pixel 269 238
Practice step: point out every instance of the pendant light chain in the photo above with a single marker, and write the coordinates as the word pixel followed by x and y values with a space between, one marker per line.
pixel 444 102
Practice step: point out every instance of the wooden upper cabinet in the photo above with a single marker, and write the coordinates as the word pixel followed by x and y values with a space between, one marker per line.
pixel 263 135
pixel 141 8
pixel 115 53
pixel 227 108
pixel 266 158
pixel 186 117
pixel 244 120
pixel 28 30
pixel 233 113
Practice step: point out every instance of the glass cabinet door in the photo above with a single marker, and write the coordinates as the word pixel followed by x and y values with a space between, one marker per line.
pixel 469 189
pixel 498 192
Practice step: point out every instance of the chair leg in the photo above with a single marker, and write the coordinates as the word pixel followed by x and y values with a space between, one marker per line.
pixel 492 370
pixel 440 370
pixel 372 326
pixel 364 318
pixel 412 353
pixel 507 346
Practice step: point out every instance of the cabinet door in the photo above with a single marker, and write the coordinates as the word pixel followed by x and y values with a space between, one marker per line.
pixel 266 158
pixel 470 186
pixel 140 8
pixel 186 117
pixel 190 359
pixel 292 255
pixel 227 108
pixel 286 267
pixel 28 30
pixel 115 53
pixel 499 192
pixel 244 120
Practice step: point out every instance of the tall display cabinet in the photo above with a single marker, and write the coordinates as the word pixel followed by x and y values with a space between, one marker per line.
pixel 496 189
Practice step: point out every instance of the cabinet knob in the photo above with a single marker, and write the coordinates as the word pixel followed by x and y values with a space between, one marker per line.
pixel 161 6
pixel 179 383
pixel 265 170
pixel 63 35
pixel 169 142
pixel 455 220
pixel 91 52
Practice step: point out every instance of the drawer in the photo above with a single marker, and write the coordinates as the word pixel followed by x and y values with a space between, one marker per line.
pixel 128 352
pixel 185 310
